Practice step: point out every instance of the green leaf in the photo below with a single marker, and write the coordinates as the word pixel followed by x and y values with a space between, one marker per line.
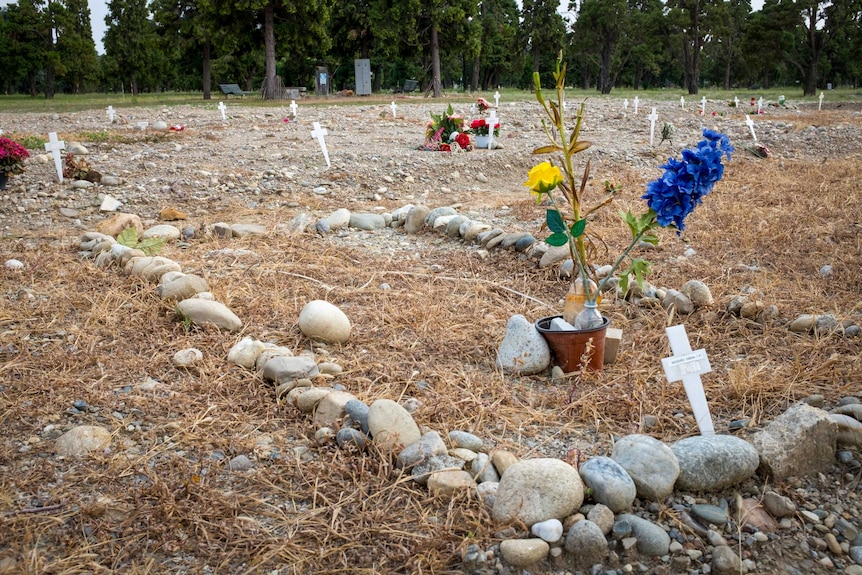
pixel 578 227
pixel 555 221
pixel 151 246
pixel 557 239
pixel 128 237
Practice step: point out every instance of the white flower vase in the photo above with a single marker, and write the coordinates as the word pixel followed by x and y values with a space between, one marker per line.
pixel 482 141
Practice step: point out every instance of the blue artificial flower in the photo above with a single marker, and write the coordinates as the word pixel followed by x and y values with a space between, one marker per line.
pixel 675 194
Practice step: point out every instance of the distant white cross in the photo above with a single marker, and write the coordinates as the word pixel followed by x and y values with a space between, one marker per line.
pixel 820 105
pixel 492 118
pixel 497 99
pixel 293 108
pixel 688 366
pixel 54 146
pixel 393 106
pixel 473 109
pixel 735 102
pixel 637 102
pixel 319 133
pixel 111 114
pixel 760 105
pixel 222 108
pixel 652 118
pixel 626 105
pixel 703 106
pixel 682 102
pixel 750 123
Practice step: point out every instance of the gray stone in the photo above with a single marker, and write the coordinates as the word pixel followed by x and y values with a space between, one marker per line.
pixel 535 490
pixel 711 514
pixel 322 321
pixel 650 463
pixel 453 228
pixel 437 212
pixel 586 542
pixel 426 467
pixel 483 470
pixel 242 230
pixel 555 254
pixel 523 552
pixel 679 301
pixel 524 243
pixel 799 442
pixel 713 462
pixel 240 463
pixel 652 540
pixel 367 221
pixel 725 561
pixel 349 437
pixel 611 485
pixel 466 440
pixel 164 231
pixel 428 445
pixel 83 439
pixel 450 482
pixel 183 287
pixel 472 231
pixel 281 369
pixel 358 412
pixel 338 219
pixel 523 350
pixel 391 426
pixel 202 312
pixel 803 323
pixel 510 239
pixel 698 292
pixel 550 530
pixel 778 505
pixel 415 221
pixel 187 358
pixel 602 516
pixel 330 408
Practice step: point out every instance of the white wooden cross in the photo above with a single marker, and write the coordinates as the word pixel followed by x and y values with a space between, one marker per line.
pixel 319 133
pixel 703 106
pixel 652 118
pixel 392 105
pixel 492 118
pixel 760 105
pixel 54 146
pixel 626 105
pixel 222 108
pixel 750 123
pixel 497 99
pixel 293 108
pixel 820 105
pixel 637 101
pixel 735 102
pixel 682 102
pixel 473 109
pixel 111 114
pixel 688 366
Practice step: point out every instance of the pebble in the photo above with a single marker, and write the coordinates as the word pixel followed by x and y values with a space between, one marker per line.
pixel 322 321
pixel 202 312
pixel 465 440
pixel 349 437
pixel 450 482
pixel 391 426
pixel 357 411
pixel 714 462
pixel 586 542
pixel 524 552
pixel 550 530
pixel 187 357
pixel 330 408
pixel 725 561
pixel 652 540
pixel 83 439
pixel 534 490
pixel 710 514
pixel 240 463
pixel 14 265
pixel 523 350
pixel 650 463
pixel 611 485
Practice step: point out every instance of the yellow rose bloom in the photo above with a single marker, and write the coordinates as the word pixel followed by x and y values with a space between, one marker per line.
pixel 543 178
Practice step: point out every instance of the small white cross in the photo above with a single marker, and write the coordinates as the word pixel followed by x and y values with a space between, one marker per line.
pixel 222 108
pixel 688 366
pixel 473 109
pixel 626 105
pixel 637 102
pixel 652 118
pixel 497 99
pixel 760 105
pixel 703 106
pixel 682 102
pixel 54 146
pixel 111 114
pixel 293 108
pixel 393 106
pixel 750 123
pixel 820 105
pixel 319 133
pixel 492 119
pixel 735 102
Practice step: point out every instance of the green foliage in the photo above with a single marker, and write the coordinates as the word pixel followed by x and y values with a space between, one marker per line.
pixel 150 246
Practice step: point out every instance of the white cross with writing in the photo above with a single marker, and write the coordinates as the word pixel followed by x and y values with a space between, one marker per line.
pixel 688 366
pixel 760 105
pixel 319 133
pixel 492 119
pixel 111 114
pixel 54 146
pixel 682 102
pixel 637 101
pixel 392 105
pixel 222 108
pixel 652 118
pixel 703 106
pixel 750 123
pixel 496 98
pixel 820 105
pixel 293 108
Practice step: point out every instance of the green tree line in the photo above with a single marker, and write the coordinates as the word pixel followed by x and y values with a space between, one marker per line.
pixel 46 46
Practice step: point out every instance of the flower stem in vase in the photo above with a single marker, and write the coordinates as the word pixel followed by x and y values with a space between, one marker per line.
pixel 575 300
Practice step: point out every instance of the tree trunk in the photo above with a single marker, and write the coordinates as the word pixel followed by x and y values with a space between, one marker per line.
pixel 435 61
pixel 270 83
pixel 809 86
pixel 207 70
pixel 474 81
pixel 605 72
pixel 727 67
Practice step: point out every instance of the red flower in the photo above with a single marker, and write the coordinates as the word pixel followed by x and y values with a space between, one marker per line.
pixel 483 104
pixel 463 140
pixel 445 148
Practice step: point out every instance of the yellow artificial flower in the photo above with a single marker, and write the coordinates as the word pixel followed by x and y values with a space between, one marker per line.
pixel 544 177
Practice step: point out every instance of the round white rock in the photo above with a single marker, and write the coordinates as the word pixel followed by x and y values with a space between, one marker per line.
pixel 322 321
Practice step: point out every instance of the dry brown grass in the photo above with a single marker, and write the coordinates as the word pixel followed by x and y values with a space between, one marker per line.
pixel 159 503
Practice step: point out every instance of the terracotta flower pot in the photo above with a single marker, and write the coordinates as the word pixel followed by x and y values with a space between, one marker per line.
pixel 568 347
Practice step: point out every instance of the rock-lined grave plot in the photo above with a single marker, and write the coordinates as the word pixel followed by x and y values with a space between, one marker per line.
pixel 620 521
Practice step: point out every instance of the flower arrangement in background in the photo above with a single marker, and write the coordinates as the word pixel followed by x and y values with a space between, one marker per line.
pixel 444 130
pixel 12 156
pixel 481 127
pixel 670 199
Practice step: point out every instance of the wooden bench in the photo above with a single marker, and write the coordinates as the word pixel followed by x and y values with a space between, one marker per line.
pixel 234 90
